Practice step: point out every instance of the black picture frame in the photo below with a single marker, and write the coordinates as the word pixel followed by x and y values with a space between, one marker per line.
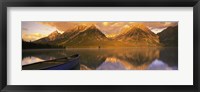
pixel 98 3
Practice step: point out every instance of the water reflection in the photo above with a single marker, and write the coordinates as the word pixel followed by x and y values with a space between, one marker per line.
pixel 112 63
pixel 160 65
pixel 113 59
pixel 31 59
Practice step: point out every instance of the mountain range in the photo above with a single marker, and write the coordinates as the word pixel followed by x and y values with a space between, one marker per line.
pixel 135 35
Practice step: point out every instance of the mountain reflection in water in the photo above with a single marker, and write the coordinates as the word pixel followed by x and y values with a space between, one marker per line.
pixel 111 59
pixel 31 59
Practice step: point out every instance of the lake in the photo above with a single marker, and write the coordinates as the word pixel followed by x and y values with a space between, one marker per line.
pixel 110 59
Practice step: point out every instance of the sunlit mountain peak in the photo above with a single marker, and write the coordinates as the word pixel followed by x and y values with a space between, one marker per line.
pixel 53 35
pixel 134 27
pixel 140 25
pixel 125 29
pixel 80 27
pixel 111 35
pixel 92 26
pixel 83 27
pixel 61 32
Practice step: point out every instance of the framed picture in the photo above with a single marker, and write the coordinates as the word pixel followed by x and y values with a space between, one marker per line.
pixel 123 45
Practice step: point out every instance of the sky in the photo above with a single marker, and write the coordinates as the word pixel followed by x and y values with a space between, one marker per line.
pixel 35 30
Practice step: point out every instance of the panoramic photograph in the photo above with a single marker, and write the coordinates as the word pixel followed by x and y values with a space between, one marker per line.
pixel 99 45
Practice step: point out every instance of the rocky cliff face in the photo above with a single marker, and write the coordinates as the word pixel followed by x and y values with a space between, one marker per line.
pixel 169 36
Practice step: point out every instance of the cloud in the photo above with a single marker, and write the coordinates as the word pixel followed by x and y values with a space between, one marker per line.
pixel 160 24
pixel 108 27
pixel 24 29
pixel 32 36
pixel 105 23
pixel 64 26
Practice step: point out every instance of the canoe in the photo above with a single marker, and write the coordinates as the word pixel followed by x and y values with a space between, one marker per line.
pixel 66 63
